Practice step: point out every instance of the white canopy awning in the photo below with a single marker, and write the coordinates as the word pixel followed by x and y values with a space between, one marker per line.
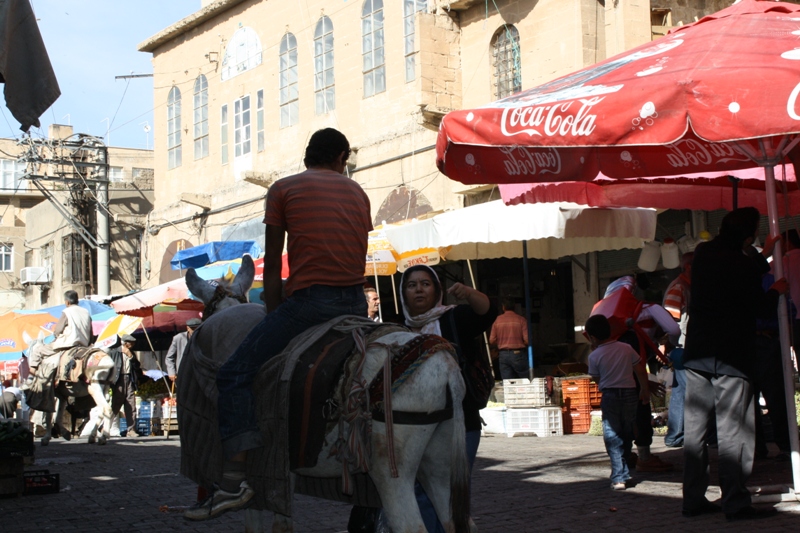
pixel 552 230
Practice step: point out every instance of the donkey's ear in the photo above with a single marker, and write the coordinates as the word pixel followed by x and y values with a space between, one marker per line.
pixel 244 278
pixel 199 287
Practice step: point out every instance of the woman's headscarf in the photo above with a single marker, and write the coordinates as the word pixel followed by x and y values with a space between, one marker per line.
pixel 427 322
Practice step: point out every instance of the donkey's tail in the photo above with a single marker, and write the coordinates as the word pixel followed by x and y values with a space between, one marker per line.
pixel 459 466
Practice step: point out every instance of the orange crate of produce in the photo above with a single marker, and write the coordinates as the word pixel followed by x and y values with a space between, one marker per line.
pixel 595 396
pixel 575 392
pixel 577 421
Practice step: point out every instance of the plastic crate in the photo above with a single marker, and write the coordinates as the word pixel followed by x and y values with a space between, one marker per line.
pixel 542 422
pixel 595 396
pixel 526 393
pixel 577 421
pixel 494 419
pixel 149 409
pixel 576 393
pixel 41 482
pixel 143 426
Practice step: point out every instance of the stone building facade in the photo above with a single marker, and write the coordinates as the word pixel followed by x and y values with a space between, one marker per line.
pixel 17 197
pixel 240 85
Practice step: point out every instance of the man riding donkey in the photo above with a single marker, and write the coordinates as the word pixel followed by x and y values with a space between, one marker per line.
pixel 327 218
pixel 640 324
pixel 74 328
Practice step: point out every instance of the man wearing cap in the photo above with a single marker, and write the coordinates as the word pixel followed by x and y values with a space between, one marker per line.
pixel 126 365
pixel 178 346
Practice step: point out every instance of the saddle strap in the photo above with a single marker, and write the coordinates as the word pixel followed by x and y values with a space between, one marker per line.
pixel 387 401
pixel 407 418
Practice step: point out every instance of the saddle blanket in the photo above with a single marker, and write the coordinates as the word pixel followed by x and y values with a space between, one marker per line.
pixel 297 396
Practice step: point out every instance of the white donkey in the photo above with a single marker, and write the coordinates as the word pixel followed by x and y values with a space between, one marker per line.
pixel 100 372
pixel 100 375
pixel 433 453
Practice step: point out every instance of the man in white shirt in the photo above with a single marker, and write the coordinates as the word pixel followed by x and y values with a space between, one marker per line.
pixel 74 328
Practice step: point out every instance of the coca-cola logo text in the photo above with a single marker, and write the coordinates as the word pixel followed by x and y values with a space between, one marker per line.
pixel 551 120
pixel 520 161
pixel 692 153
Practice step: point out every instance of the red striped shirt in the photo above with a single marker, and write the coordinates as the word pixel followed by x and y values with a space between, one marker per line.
pixel 509 332
pixel 327 218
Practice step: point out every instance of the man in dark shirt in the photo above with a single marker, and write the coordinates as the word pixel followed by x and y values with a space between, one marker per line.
pixel 720 345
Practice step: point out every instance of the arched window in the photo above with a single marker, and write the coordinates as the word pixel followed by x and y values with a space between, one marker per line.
pixel 506 57
pixel 324 94
pixel 373 65
pixel 174 128
pixel 200 117
pixel 410 9
pixel 242 53
pixel 290 105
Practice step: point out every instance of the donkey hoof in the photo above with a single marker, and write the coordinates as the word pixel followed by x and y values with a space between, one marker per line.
pixel 101 441
pixel 45 442
pixel 66 435
pixel 92 439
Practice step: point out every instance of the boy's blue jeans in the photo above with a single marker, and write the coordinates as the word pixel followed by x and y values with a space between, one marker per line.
pixel 619 416
pixel 305 308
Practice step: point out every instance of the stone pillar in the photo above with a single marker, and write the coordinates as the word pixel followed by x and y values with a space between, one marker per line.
pixel 627 25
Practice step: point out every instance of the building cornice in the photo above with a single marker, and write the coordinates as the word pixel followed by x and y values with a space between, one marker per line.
pixel 184 25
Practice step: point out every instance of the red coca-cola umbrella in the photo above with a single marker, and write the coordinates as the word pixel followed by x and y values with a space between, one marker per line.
pixel 717 95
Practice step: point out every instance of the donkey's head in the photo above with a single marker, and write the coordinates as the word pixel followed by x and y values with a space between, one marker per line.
pixel 218 296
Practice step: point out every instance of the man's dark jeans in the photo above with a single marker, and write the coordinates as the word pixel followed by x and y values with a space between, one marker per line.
pixel 513 364
pixel 305 308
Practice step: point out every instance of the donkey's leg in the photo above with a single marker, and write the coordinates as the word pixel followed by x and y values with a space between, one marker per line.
pixel 98 391
pixel 47 424
pixel 397 494
pixel 434 473
pixel 61 407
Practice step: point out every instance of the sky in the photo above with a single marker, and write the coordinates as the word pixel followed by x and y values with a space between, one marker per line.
pixel 89 43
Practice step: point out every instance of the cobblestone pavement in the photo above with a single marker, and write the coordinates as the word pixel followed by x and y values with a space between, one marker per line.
pixel 520 484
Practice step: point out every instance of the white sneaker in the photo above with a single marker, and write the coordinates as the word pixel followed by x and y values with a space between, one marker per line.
pixel 220 502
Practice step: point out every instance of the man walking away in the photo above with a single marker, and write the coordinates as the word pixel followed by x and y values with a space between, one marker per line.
pixel 510 335
pixel 720 342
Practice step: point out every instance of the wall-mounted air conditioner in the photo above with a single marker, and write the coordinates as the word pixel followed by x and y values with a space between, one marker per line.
pixel 35 275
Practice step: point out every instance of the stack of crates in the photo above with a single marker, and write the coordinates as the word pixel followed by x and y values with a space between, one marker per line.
pixel 169 415
pixel 578 395
pixel 530 409
pixel 147 414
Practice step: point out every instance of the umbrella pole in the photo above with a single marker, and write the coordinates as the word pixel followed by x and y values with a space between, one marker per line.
pixel 485 338
pixel 377 289
pixel 528 308
pixel 783 324
pixel 735 190
pixel 394 293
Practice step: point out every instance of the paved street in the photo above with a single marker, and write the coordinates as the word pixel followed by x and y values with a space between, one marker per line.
pixel 520 484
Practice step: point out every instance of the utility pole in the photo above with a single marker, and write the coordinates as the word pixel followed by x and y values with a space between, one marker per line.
pixel 80 165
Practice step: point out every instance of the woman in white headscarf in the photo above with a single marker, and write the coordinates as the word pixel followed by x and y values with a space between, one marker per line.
pixel 421 295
